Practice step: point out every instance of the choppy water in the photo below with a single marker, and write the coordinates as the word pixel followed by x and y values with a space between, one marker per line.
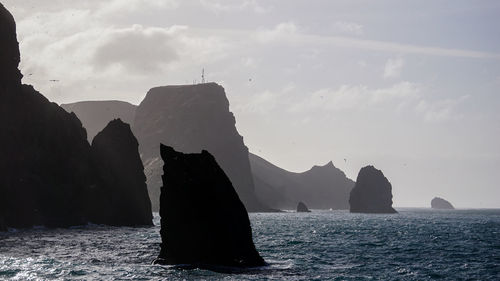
pixel 416 244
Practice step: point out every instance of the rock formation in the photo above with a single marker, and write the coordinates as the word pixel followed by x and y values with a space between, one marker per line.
pixel 46 171
pixel 9 56
pixel 440 203
pixel 203 222
pixel 121 175
pixel 372 192
pixel 190 118
pixel 95 115
pixel 322 187
pixel 302 208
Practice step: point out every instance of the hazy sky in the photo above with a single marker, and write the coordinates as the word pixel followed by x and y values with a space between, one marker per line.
pixel 410 87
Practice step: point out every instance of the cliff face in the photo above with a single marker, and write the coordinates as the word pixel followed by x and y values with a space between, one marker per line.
pixel 440 203
pixel 322 187
pixel 191 118
pixel 203 222
pixel 120 172
pixel 372 193
pixel 9 55
pixel 95 115
pixel 46 172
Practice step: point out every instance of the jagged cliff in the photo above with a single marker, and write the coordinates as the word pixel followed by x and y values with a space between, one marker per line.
pixel 120 172
pixel 322 187
pixel 95 115
pixel 203 222
pixel 46 170
pixel 191 118
pixel 372 192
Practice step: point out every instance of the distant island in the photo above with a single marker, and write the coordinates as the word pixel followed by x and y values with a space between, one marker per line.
pixel 440 203
pixel 302 208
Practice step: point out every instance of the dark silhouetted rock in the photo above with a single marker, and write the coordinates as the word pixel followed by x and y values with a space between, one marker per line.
pixel 302 208
pixel 9 52
pixel 322 187
pixel 190 118
pixel 372 193
pixel 203 221
pixel 95 115
pixel 440 203
pixel 46 172
pixel 119 169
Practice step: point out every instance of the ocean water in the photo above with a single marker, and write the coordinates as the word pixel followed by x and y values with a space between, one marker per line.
pixel 416 244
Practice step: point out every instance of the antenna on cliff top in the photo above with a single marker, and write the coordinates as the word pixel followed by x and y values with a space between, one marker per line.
pixel 203 76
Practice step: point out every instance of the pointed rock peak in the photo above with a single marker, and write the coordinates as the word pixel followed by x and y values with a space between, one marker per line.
pixel 9 54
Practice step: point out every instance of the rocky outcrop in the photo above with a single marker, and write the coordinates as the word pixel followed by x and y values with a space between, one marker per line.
pixel 440 203
pixel 372 192
pixel 190 118
pixel 302 208
pixel 322 187
pixel 9 54
pixel 120 172
pixel 203 222
pixel 46 172
pixel 95 115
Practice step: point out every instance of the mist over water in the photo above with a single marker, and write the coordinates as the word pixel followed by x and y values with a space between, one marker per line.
pixel 416 244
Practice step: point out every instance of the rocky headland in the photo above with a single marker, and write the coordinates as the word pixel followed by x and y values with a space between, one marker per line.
pixel 47 172
pixel 322 187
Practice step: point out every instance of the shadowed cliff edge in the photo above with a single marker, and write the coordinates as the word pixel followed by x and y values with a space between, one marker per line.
pixel 203 221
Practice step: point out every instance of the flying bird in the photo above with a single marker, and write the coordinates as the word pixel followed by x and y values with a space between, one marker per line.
pixel 54 80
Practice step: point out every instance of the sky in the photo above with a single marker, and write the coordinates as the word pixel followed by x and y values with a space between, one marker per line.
pixel 411 87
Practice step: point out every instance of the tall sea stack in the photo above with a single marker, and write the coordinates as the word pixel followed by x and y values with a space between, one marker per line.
pixel 203 221
pixel 46 172
pixel 121 174
pixel 372 193
pixel 191 118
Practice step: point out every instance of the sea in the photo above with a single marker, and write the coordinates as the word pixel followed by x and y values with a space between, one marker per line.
pixel 415 244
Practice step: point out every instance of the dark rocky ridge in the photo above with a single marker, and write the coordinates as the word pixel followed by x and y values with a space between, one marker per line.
pixel 121 174
pixel 372 192
pixel 203 222
pixel 302 208
pixel 322 187
pixel 47 177
pixel 440 203
pixel 95 115
pixel 191 118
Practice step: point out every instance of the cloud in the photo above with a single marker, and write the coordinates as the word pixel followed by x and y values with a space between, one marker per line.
pixel 218 6
pixel 138 49
pixel 284 31
pixel 289 32
pixel 348 27
pixel 393 68
pixel 356 97
pixel 441 110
